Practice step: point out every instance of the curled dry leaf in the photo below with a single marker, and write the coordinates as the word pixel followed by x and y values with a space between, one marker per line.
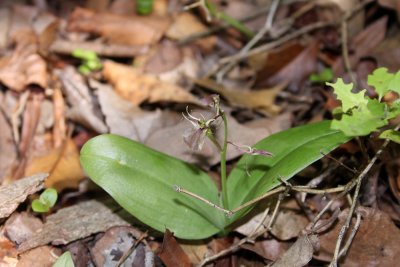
pixel 260 100
pixel 24 66
pixel 171 252
pixel 78 96
pixel 63 165
pixel 129 30
pixel 13 194
pixel 375 244
pixel 186 24
pixel 137 87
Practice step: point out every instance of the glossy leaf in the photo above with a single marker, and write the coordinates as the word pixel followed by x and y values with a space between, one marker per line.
pixel 141 180
pixel 293 150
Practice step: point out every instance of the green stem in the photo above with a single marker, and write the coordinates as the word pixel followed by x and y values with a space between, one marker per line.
pixel 229 20
pixel 223 163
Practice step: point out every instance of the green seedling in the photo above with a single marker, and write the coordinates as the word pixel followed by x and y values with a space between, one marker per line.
pixel 325 75
pixel 144 7
pixel 90 61
pixel 46 201
pixel 65 260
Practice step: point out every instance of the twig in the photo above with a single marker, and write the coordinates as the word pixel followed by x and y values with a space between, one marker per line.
pixel 293 35
pixel 345 52
pixel 131 249
pixel 264 30
pixel 358 180
pixel 351 237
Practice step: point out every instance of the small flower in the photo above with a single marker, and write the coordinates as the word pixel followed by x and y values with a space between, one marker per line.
pixel 195 137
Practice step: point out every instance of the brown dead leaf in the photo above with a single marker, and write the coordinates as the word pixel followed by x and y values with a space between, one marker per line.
pixel 137 87
pixel 60 127
pixel 123 118
pixel 375 244
pixel 78 96
pixel 8 251
pixel 171 252
pixel 166 57
pixel 130 30
pixel 186 24
pixel 75 222
pixel 298 68
pixel 260 100
pixel 387 53
pixel 117 241
pixel 44 256
pixel 270 249
pixel 13 194
pixel 196 251
pixel 300 253
pixel 362 44
pixel 63 165
pixel 24 66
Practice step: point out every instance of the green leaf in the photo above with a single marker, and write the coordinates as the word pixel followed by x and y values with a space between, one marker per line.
pixel 392 135
pixel 324 76
pixel 144 7
pixel 141 180
pixel 380 79
pixel 344 94
pixel 293 150
pixel 394 84
pixel 65 260
pixel 49 197
pixel 39 206
pixel 363 120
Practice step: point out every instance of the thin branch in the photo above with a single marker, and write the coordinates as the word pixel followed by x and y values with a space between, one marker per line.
pixel 345 52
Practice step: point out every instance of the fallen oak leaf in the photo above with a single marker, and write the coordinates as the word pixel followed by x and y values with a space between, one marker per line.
pixel 136 86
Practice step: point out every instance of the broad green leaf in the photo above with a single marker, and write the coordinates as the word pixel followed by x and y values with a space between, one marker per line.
pixel 293 150
pixel 392 135
pixel 380 79
pixel 394 84
pixel 363 120
pixel 39 206
pixel 49 197
pixel 344 94
pixel 65 260
pixel 141 180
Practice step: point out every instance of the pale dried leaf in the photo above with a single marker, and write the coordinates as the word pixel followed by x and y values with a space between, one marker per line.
pixel 24 66
pixel 300 253
pixel 64 226
pixel 186 24
pixel 83 109
pixel 123 118
pixel 261 100
pixel 8 150
pixel 44 256
pixel 13 194
pixel 130 30
pixel 137 87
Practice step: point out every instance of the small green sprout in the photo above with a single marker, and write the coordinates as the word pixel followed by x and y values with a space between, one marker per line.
pixel 90 61
pixel 65 260
pixel 325 75
pixel 46 201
